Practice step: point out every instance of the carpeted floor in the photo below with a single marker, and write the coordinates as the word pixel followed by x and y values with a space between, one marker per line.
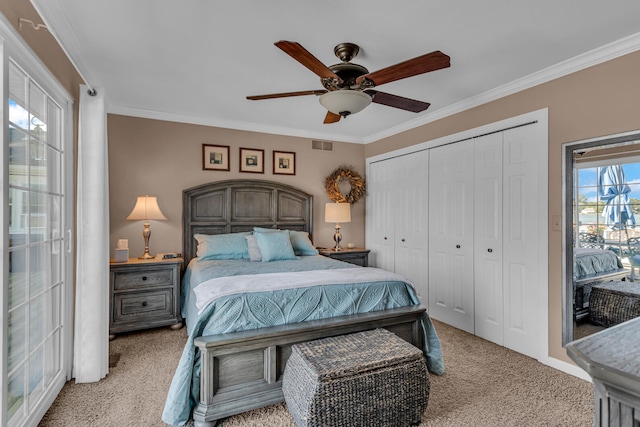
pixel 484 385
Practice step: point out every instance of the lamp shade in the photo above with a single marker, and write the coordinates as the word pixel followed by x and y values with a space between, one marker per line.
pixel 146 208
pixel 337 212
pixel 345 102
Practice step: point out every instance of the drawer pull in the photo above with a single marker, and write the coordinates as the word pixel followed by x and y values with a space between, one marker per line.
pixel 144 278
pixel 457 246
pixel 144 303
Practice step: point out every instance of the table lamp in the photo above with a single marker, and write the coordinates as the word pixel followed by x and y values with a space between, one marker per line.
pixel 337 212
pixel 146 209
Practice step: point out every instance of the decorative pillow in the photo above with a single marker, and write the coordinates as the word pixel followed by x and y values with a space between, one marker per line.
pixel 254 250
pixel 301 243
pixel 275 246
pixel 222 246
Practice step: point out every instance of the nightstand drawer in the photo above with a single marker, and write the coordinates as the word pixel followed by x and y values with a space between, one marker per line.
pixel 143 305
pixel 145 278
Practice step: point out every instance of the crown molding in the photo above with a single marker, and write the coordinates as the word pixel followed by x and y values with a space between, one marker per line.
pixel 596 56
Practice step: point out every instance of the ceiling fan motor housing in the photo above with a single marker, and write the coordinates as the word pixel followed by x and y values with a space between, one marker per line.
pixel 348 72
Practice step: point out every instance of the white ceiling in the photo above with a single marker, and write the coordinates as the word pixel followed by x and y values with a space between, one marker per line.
pixel 195 60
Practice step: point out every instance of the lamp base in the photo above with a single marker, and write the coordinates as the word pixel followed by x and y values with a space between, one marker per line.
pixel 337 237
pixel 147 256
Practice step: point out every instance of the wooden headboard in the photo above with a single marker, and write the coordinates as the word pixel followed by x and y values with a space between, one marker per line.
pixel 239 205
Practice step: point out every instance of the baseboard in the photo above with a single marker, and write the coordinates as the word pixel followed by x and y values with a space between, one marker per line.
pixel 566 367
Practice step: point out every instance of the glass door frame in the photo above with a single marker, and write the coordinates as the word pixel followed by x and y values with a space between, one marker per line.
pixel 13 48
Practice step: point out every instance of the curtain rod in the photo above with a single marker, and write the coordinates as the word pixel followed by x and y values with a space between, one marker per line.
pixel 91 91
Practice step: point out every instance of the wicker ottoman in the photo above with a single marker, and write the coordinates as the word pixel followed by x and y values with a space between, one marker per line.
pixel 370 378
pixel 614 302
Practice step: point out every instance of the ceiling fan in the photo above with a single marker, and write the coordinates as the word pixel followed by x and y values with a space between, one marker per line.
pixel 348 87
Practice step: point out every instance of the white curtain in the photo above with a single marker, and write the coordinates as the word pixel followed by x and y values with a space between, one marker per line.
pixel 91 332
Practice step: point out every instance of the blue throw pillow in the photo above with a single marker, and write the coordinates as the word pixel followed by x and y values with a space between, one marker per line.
pixel 301 243
pixel 275 246
pixel 222 246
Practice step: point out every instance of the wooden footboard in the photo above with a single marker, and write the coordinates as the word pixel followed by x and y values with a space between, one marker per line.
pixel 241 371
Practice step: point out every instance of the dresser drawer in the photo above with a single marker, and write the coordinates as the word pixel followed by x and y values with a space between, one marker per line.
pixel 133 279
pixel 140 306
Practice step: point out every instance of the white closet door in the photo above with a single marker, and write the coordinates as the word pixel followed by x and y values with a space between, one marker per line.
pixel 381 180
pixel 523 215
pixel 489 319
pixel 411 221
pixel 451 297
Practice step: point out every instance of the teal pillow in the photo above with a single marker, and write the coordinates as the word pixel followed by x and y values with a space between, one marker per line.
pixel 275 246
pixel 301 243
pixel 222 246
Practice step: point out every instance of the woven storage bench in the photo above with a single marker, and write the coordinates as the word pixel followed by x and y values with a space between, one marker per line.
pixel 371 378
pixel 614 302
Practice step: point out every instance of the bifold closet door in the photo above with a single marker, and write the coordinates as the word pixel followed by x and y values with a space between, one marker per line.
pixel 522 219
pixel 411 221
pixel 397 210
pixel 381 183
pixel 488 226
pixel 451 292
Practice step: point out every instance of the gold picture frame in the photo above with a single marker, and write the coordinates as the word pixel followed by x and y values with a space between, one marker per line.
pixel 251 160
pixel 215 157
pixel 284 163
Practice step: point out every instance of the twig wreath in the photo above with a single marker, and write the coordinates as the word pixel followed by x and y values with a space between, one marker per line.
pixel 339 176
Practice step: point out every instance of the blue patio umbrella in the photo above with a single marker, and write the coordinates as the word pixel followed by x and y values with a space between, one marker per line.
pixel 613 189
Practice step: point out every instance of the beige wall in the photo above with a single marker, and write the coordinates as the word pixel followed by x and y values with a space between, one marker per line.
pixel 598 101
pixel 162 159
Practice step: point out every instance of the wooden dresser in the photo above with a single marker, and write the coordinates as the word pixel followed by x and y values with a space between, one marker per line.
pixel 144 294
pixel 612 358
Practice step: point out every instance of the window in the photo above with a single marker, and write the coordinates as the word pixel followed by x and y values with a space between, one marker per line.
pixel 37 161
pixel 607 206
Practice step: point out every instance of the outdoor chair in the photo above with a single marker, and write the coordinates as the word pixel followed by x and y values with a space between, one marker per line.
pixel 591 240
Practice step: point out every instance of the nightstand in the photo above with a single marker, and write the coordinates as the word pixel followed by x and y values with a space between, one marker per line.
pixel 357 256
pixel 144 294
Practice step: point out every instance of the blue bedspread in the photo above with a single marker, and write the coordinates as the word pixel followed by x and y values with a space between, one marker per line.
pixel 262 309
pixel 590 262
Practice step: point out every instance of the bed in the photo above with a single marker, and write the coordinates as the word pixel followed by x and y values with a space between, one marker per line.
pixel 244 314
pixel 593 266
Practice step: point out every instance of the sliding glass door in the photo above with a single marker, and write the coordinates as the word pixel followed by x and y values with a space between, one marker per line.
pixel 36 236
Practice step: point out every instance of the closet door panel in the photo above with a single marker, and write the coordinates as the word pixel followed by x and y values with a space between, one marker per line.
pixel 411 228
pixel 489 319
pixel 380 214
pixel 451 298
pixel 522 218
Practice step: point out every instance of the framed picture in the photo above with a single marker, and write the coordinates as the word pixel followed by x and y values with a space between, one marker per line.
pixel 251 160
pixel 284 163
pixel 215 157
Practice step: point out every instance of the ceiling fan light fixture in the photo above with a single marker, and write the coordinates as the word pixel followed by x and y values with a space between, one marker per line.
pixel 345 102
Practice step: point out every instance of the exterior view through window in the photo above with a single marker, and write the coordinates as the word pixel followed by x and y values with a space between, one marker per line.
pixel 607 209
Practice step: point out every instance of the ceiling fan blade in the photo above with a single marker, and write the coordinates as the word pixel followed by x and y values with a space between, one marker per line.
pixel 303 56
pixel 331 118
pixel 412 67
pixel 397 101
pixel 287 94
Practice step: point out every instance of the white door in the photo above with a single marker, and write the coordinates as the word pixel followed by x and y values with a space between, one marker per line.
pixel 411 220
pixel 35 229
pixel 488 253
pixel 451 296
pixel 381 180
pixel 523 219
